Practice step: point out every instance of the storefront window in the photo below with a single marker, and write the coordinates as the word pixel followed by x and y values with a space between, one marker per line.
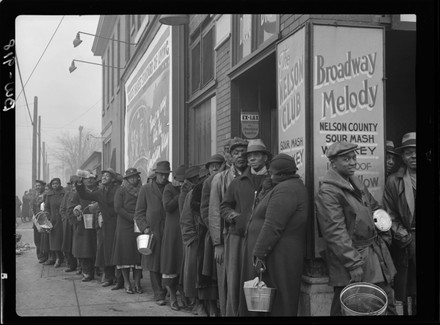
pixel 252 32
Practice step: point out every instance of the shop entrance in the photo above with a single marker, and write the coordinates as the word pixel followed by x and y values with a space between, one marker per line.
pixel 400 88
pixel 255 91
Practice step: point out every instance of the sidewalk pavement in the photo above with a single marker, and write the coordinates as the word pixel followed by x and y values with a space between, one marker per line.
pixel 42 290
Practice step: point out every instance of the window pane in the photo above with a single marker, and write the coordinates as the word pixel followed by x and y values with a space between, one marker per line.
pixel 244 36
pixel 195 68
pixel 266 27
pixel 200 134
pixel 208 57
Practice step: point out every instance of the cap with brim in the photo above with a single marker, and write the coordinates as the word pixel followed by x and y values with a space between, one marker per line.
pixel 217 158
pixel 340 149
pixel 257 145
pixel 408 141
pixel 131 172
pixel 163 167
pixel 237 142
pixel 390 147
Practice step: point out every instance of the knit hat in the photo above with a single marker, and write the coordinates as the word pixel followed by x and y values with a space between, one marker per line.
pixel 282 164
pixel 179 173
pixel 217 158
pixel 340 148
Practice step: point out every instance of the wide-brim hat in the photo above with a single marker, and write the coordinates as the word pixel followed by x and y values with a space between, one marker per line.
pixel 179 173
pixel 110 171
pixel 192 171
pixel 217 158
pixel 340 149
pixel 131 172
pixel 257 145
pixel 408 140
pixel 390 147
pixel 163 167
pixel 236 142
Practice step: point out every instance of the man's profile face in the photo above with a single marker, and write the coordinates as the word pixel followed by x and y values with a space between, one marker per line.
pixel 237 157
pixel 345 165
pixel 106 178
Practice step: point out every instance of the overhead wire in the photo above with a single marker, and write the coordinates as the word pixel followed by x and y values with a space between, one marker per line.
pixel 40 57
pixel 21 81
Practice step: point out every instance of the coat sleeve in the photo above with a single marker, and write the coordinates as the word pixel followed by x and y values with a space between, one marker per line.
pixel 204 203
pixel 170 199
pixel 119 205
pixel 228 204
pixel 187 224
pixel 140 214
pixel 214 218
pixel 331 221
pixel 72 202
pixel 83 194
pixel 281 207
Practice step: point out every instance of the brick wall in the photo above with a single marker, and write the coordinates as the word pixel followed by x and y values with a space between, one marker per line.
pixel 223 64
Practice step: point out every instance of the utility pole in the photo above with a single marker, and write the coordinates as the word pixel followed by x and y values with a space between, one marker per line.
pixel 44 161
pixel 39 146
pixel 34 141
pixel 80 152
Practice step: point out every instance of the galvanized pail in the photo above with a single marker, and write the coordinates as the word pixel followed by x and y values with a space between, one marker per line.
pixel 259 298
pixel 363 299
pixel 89 221
pixel 144 243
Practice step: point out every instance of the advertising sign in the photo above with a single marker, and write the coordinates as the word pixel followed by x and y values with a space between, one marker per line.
pixel 148 109
pixel 291 98
pixel 348 100
pixel 250 124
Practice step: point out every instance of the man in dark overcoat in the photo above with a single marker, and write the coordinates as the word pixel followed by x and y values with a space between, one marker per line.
pixel 236 209
pixel 105 198
pixel 356 250
pixel 41 239
pixel 66 247
pixel 150 219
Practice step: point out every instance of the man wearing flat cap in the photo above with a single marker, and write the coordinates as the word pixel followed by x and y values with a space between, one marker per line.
pixel 236 209
pixel 150 218
pixel 105 197
pixel 220 182
pixel 356 250
pixel 41 239
pixel 399 200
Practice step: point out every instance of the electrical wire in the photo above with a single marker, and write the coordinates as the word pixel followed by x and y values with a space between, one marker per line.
pixel 40 58
pixel 82 114
pixel 21 81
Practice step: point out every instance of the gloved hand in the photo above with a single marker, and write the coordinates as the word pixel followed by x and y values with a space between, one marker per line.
pixel 77 210
pixel 357 274
pixel 231 217
pixel 147 231
pixel 259 264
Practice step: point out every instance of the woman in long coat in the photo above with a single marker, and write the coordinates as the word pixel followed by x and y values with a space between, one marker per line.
pixel 52 205
pixel 171 261
pixel 84 240
pixel 125 253
pixel 275 237
pixel 67 246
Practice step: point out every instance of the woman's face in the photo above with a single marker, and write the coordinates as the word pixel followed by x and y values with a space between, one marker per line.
pixel 133 180
pixel 55 185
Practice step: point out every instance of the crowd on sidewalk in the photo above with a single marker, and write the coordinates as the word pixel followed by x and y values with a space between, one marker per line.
pixel 241 215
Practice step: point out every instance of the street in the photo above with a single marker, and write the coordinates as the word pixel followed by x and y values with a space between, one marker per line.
pixel 42 290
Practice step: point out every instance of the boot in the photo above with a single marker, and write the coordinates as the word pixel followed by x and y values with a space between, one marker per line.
pixel 137 274
pixel 127 283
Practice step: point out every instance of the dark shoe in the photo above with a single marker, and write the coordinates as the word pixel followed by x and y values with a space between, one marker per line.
pixel 87 278
pixel 49 262
pixel 42 260
pixel 161 302
pixel 175 306
pixel 138 289
pixel 57 263
pixel 118 286
pixel 107 283
pixel 69 270
pixel 79 271
pixel 129 290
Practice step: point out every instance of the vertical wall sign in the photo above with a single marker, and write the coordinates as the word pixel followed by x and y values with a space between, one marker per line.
pixel 291 98
pixel 148 108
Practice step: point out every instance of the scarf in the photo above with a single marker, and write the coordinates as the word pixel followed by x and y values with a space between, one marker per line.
pixel 409 194
pixel 132 190
pixel 262 171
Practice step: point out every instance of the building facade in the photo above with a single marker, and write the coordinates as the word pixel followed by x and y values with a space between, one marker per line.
pixel 298 82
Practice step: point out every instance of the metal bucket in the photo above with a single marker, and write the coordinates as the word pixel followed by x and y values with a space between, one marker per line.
pixel 259 298
pixel 363 299
pixel 144 244
pixel 89 221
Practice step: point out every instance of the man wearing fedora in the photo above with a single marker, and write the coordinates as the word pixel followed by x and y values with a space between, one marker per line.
pixel 150 218
pixel 399 200
pixel 236 209
pixel 355 252
pixel 105 197
pixel 391 158
pixel 217 230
